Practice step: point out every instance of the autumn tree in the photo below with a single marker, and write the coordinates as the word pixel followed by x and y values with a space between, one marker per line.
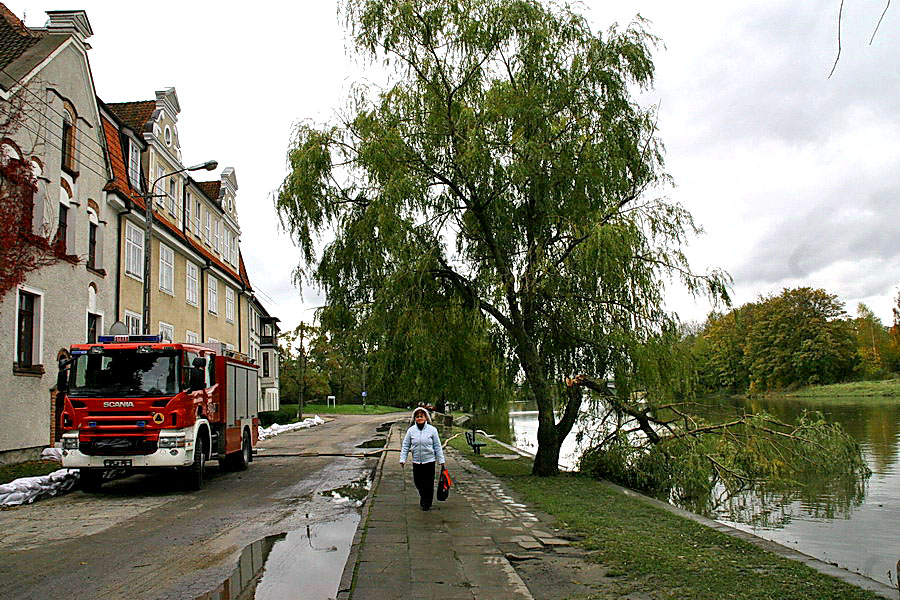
pixel 506 166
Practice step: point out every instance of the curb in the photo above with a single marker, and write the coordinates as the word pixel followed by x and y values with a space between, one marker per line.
pixel 346 584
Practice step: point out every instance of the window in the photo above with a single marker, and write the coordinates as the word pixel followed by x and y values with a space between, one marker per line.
pixel 197 220
pixel 265 364
pixel 168 136
pixel 229 305
pixel 207 228
pixel 191 286
pixel 93 326
pixel 173 189
pixel 166 269
pixel 191 337
pixel 92 246
pixel 68 138
pixel 218 240
pixel 133 323
pixel 134 252
pixel 27 329
pixel 62 229
pixel 187 210
pixel 213 286
pixel 158 189
pixel 134 164
pixel 167 332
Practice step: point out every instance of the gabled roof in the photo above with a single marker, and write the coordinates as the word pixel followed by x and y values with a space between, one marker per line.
pixel 133 114
pixel 210 188
pixel 15 36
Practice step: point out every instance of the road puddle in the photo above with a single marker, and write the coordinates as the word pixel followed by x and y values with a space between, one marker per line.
pixel 306 564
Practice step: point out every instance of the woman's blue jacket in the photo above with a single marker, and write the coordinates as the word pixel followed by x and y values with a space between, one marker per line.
pixel 425 445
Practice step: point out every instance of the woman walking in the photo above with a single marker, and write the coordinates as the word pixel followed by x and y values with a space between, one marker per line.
pixel 423 441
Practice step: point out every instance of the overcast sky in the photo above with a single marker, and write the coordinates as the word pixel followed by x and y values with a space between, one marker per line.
pixel 794 177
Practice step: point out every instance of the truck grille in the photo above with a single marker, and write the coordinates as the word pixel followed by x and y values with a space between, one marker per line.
pixel 117 445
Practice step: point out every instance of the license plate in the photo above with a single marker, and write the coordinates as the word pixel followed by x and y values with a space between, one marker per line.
pixel 117 462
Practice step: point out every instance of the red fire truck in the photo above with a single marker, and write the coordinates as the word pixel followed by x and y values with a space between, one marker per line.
pixel 138 403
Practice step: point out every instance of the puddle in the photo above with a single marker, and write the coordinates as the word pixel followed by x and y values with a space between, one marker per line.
pixel 384 427
pixel 378 443
pixel 305 563
pixel 355 490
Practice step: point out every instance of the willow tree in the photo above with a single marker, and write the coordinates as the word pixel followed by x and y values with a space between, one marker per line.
pixel 506 164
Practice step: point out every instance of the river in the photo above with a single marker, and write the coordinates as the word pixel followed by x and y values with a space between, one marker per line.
pixel 854 526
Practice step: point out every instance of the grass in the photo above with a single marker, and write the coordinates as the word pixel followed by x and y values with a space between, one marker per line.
pixel 31 468
pixel 855 389
pixel 652 553
pixel 343 409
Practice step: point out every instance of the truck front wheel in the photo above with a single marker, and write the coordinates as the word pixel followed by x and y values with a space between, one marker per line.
pixel 91 479
pixel 194 474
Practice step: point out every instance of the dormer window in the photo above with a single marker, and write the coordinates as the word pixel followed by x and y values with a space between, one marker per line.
pixel 134 164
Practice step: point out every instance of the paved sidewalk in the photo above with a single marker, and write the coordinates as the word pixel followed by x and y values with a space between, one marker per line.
pixel 457 550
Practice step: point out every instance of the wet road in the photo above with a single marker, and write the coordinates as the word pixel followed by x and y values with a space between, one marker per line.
pixel 143 537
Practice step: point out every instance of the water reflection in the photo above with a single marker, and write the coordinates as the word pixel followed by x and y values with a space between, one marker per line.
pixel 306 563
pixel 843 520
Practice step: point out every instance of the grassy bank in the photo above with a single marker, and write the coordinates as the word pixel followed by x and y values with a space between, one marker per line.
pixel 889 388
pixel 651 553
pixel 288 412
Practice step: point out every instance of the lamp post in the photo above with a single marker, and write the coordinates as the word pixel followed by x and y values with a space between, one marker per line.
pixel 148 230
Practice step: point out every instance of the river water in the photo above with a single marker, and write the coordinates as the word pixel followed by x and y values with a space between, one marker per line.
pixel 856 526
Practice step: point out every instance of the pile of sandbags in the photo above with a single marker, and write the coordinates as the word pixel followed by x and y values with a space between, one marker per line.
pixel 272 431
pixel 28 489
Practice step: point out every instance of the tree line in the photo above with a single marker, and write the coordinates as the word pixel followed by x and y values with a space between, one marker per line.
pixel 802 336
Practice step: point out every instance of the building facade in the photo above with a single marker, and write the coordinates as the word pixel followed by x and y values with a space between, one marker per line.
pixel 99 167
pixel 45 82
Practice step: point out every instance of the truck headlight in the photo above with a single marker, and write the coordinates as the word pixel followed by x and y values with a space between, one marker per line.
pixel 171 441
pixel 70 442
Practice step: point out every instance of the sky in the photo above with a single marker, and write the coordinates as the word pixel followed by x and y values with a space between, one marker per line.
pixel 794 176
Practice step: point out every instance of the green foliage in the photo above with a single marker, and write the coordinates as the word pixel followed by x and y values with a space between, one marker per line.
pixel 506 170
pixel 800 337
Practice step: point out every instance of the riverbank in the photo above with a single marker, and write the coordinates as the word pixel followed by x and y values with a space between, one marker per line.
pixel 650 552
pixel 888 388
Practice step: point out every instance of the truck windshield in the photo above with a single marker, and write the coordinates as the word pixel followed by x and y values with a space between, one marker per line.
pixel 125 374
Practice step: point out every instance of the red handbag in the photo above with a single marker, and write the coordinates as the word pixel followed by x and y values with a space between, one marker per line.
pixel 444 485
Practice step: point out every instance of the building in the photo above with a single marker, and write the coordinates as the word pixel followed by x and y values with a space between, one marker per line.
pixel 45 78
pixel 99 167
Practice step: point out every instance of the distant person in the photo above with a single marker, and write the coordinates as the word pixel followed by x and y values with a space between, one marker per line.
pixel 423 441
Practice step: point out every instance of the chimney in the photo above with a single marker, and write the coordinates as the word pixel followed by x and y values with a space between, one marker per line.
pixel 73 22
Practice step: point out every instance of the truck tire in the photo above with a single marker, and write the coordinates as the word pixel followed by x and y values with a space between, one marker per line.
pixel 91 479
pixel 240 460
pixel 194 475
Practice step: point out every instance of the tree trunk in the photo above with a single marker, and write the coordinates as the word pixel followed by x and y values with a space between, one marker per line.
pixel 546 461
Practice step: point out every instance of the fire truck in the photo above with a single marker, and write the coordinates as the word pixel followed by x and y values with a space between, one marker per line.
pixel 139 404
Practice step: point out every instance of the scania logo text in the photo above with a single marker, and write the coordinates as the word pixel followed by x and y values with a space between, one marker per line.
pixel 118 404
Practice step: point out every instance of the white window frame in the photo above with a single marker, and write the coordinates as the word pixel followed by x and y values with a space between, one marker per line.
pixel 160 189
pixel 166 269
pixel 167 328
pixel 191 283
pixel 218 238
pixel 134 164
pixel 37 326
pixel 132 319
pixel 187 210
pixel 191 337
pixel 229 304
pixel 172 193
pixel 212 286
pixel 134 252
pixel 208 227
pixel 197 220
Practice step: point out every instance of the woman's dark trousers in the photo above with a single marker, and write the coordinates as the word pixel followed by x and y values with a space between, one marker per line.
pixel 423 476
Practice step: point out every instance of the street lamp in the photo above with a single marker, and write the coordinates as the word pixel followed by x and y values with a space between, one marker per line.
pixel 148 229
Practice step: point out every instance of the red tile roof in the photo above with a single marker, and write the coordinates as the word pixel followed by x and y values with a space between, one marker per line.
pixel 210 188
pixel 134 114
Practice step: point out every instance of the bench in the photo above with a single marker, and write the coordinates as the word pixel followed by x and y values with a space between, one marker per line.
pixel 476 446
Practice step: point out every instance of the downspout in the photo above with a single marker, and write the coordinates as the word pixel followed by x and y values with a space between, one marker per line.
pixel 240 345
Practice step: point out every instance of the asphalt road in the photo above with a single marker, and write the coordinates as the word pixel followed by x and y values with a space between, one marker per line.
pixel 144 537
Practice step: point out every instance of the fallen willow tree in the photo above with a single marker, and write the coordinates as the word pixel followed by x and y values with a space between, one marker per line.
pixel 666 450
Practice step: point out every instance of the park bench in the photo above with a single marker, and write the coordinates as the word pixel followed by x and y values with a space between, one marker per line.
pixel 470 440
